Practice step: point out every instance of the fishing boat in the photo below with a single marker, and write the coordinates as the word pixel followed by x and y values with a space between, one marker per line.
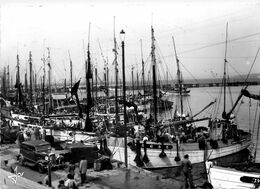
pixel 184 91
pixel 229 178
pixel 69 126
pixel 160 146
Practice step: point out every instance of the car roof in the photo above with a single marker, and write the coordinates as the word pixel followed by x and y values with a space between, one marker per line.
pixel 36 143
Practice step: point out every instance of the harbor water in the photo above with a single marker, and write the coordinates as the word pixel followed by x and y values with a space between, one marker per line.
pixel 198 98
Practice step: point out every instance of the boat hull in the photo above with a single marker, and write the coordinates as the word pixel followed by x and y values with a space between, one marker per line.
pixel 227 178
pixel 222 154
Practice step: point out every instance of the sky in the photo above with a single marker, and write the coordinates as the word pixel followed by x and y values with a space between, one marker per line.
pixel 198 28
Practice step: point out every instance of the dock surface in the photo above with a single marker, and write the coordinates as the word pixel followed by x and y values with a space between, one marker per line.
pixel 117 178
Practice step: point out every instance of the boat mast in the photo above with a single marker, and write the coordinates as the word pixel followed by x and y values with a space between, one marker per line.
pixel 49 74
pixel 18 81
pixel 105 78
pixel 167 79
pixel 4 84
pixel 107 74
pixel 137 79
pixel 92 82
pixel 178 75
pixel 133 84
pixel 116 76
pixel 12 86
pixel 154 75
pixel 143 71
pixel 31 77
pixel 224 76
pixel 71 80
pixel 96 76
pixel 88 125
pixel 8 80
pixel 25 82
pixel 43 83
pixel 35 87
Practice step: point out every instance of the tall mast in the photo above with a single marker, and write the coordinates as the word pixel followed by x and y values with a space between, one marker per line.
pixel 96 81
pixel 31 77
pixel 133 85
pixel 12 86
pixel 65 85
pixel 154 76
pixel 8 80
pixel 4 83
pixel 35 83
pixel 43 83
pixel 25 83
pixel 88 125
pixel 179 76
pixel 143 71
pixel 116 76
pixel 167 78
pixel 18 80
pixel 71 80
pixel 137 80
pixel 92 82
pixel 49 65
pixel 43 94
pixel 224 76
pixel 107 74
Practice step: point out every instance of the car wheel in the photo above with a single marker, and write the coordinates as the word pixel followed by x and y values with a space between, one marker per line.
pixel 40 168
pixel 21 159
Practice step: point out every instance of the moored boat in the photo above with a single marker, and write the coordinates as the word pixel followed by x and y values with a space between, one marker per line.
pixel 229 178
pixel 166 155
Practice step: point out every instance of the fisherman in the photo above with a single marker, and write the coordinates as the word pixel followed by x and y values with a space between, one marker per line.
pixel 61 185
pixel 70 182
pixel 186 168
pixel 83 169
pixel 72 169
pixel 43 134
pixel 46 180
pixel 37 133
pixel 20 138
pixel 33 136
pixel 202 141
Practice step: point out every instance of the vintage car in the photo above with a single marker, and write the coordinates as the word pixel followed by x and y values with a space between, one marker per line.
pixel 37 153
pixel 73 152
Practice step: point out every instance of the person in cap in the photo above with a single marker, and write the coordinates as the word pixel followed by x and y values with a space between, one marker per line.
pixel 186 168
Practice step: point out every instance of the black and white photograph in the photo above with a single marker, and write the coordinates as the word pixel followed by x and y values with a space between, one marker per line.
pixel 129 94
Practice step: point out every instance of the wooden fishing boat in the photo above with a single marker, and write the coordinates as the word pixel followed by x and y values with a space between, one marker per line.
pixel 229 178
pixel 166 155
pixel 176 91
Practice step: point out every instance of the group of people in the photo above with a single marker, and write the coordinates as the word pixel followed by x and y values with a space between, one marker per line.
pixel 35 133
pixel 76 176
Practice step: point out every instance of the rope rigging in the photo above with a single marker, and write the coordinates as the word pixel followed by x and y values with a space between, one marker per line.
pixel 254 124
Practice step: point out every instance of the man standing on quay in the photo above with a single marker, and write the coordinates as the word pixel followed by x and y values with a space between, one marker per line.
pixel 83 169
pixel 186 168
